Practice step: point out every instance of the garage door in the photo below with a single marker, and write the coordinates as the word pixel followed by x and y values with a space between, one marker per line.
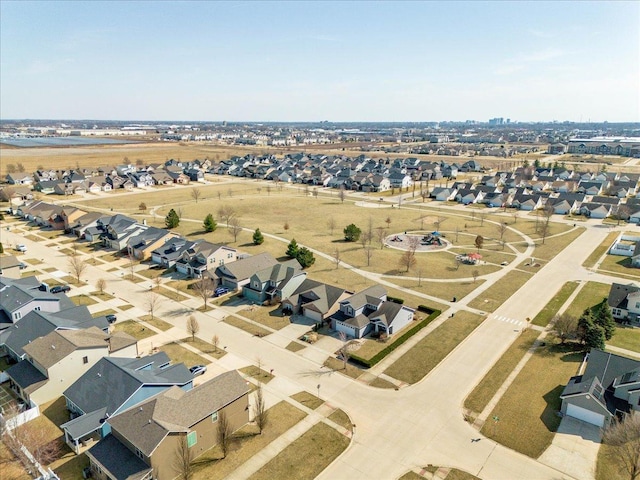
pixel 585 415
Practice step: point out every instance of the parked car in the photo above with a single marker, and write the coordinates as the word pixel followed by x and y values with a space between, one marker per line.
pixel 220 291
pixel 21 248
pixel 22 266
pixel 111 318
pixel 198 370
pixel 60 289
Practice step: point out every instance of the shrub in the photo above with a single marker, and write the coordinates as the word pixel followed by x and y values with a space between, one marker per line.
pixel 352 233
pixel 395 300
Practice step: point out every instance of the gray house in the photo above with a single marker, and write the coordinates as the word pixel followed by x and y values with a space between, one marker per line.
pixel 276 282
pixel 237 274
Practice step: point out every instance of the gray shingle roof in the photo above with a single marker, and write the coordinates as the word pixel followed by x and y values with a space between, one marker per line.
pixel 371 295
pixel 618 295
pixel 120 462
pixel 243 269
pixel 28 377
pixel 56 345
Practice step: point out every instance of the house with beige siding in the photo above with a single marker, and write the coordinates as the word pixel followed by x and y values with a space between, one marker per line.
pixel 144 440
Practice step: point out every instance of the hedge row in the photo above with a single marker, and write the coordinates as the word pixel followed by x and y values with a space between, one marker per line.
pixel 395 300
pixel 399 341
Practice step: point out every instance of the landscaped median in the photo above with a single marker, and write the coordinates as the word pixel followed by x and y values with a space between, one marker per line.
pixel 545 315
pixel 500 291
pixel 370 361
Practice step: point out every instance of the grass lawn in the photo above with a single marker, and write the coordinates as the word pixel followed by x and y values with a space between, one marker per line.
pixel 172 295
pixel 246 326
pixel 411 476
pixel 500 291
pixel 177 353
pixel 156 322
pixel 268 316
pixel 295 347
pixel 591 294
pixel 35 261
pixel 104 296
pixel 125 307
pixel 257 373
pixel 70 465
pixel 341 418
pixel 382 383
pixel 607 467
pixel 626 337
pixel 102 313
pixel 281 417
pixel 488 386
pixel 431 350
pixel 83 299
pixel 600 250
pixel 307 399
pixel 456 474
pixel 135 329
pixel 619 265
pixel 3 364
pixel 444 290
pixel 307 456
pixel 338 366
pixel 205 347
pixel 530 430
pixel 12 469
pixel 545 315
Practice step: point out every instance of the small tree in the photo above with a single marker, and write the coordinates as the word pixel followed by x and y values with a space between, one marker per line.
pixel 226 213
pixel 196 193
pixel 331 225
pixel 342 193
pixel 475 274
pixel 479 242
pixel 388 222
pixel 343 352
pixel 142 207
pixel 336 257
pixel 193 327
pixel 623 436
pixel 101 284
pixel 224 433
pixel 564 326
pixel 77 266
pixel 204 288
pixel 292 249
pixel 381 234
pixel 172 220
pixel 545 227
pixel 408 259
pixel 235 228
pixel 502 229
pixel 152 302
pixel 482 216
pixel 352 233
pixel 260 409
pixel 305 257
pixel 210 224
pixel 602 316
pixel 215 341
pixel 258 238
pixel 368 253
pixel 183 460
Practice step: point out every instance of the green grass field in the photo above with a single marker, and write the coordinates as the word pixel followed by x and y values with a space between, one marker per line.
pixel 545 315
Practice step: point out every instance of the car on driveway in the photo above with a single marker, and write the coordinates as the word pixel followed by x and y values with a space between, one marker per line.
pixel 198 370
pixel 220 291
pixel 21 248
pixel 60 289
pixel 111 318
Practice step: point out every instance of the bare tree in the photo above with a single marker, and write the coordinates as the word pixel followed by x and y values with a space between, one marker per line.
pixel 343 352
pixel 475 274
pixel 368 253
pixel 131 265
pixel 545 226
pixel 260 409
pixel 315 192
pixel 196 193
pixel 388 222
pixel 224 433
pixel 622 213
pixel 564 326
pixel 36 440
pixel 204 288
pixel 419 277
pixel 235 228
pixel 365 239
pixel 408 259
pixel 331 224
pixel 183 459
pixel 193 327
pixel 215 341
pixel 502 229
pixel 515 216
pixel 77 266
pixel 479 242
pixel 226 213
pixel 157 281
pixel 142 207
pixel 439 221
pixel 101 284
pixel 457 232
pixel 342 193
pixel 624 438
pixel 482 216
pixel 336 257
pixel 381 234
pixel 268 189
pixel 230 193
pixel 152 303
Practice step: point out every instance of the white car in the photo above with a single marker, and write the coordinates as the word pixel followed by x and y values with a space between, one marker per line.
pixel 21 248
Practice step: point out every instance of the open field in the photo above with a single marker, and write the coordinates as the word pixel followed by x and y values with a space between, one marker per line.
pixel 431 350
pixel 538 386
pixel 545 315
pixel 306 456
pixel 500 291
pixel 591 294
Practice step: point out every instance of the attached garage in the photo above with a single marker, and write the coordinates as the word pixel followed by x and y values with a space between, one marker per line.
pixel 585 415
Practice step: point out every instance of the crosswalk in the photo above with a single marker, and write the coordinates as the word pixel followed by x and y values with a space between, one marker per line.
pixel 513 321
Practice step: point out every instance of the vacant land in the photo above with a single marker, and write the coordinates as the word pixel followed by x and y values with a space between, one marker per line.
pixel 431 350
pixel 538 386
pixel 545 315
pixel 307 456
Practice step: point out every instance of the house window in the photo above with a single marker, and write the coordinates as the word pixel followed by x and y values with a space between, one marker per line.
pixel 229 255
pixel 214 417
pixel 85 359
pixel 140 454
pixel 192 439
pixel 221 262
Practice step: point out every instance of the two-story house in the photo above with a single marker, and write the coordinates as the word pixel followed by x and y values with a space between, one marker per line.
pixel 202 256
pixel 236 274
pixel 274 283
pixel 624 301
pixel 112 386
pixel 145 438
pixel 141 245
pixel 315 300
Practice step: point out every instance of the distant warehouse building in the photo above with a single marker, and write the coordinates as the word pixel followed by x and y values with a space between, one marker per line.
pixel 623 146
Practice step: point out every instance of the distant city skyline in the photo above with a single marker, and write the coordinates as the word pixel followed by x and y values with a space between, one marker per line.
pixel 313 61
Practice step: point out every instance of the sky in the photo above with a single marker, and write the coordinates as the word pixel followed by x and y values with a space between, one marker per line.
pixel 312 61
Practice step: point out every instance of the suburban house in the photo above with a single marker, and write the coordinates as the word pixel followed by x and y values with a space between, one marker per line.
pixel 169 253
pixel 36 324
pixel 117 230
pixel 441 194
pixel 22 295
pixel 86 221
pixel 369 311
pixel 141 245
pixel 627 246
pixel 236 274
pixel 608 388
pixel 145 438
pixel 314 300
pixel 19 178
pixel 58 359
pixel 624 301
pixel 595 210
pixel 275 282
pixel 112 386
pixel 10 266
pixel 202 256
pixel 70 215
